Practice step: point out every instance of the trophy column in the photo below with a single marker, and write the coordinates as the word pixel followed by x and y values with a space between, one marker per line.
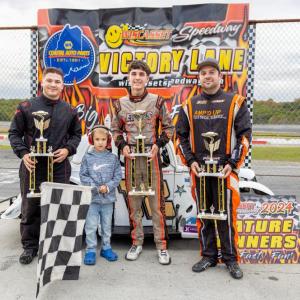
pixel 211 169
pixel 140 154
pixel 40 151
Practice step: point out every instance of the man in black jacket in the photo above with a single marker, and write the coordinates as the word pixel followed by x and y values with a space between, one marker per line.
pixel 63 134
pixel 227 115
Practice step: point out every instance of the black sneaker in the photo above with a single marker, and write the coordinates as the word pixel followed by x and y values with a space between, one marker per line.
pixel 235 270
pixel 27 256
pixel 203 264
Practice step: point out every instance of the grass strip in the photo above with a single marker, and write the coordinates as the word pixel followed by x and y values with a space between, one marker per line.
pixel 5 147
pixel 276 153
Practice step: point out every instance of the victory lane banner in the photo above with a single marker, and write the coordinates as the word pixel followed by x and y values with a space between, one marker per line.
pixel 94 49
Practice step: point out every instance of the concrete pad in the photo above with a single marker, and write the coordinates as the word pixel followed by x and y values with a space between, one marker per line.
pixel 145 278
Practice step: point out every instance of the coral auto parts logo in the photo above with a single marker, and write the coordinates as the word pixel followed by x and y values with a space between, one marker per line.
pixel 136 35
pixel 70 50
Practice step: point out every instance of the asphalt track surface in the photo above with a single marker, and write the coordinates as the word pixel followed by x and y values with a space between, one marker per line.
pixel 292 129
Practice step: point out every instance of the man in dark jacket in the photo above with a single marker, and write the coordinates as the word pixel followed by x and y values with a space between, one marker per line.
pixel 227 115
pixel 63 135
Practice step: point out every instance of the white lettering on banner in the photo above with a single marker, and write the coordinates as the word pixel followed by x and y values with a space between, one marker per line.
pixel 187 33
pixel 90 116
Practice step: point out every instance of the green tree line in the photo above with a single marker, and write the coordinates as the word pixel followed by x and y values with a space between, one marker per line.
pixel 271 112
pixel 8 108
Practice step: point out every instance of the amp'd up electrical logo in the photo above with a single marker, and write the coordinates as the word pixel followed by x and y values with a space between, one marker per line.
pixel 136 35
pixel 70 50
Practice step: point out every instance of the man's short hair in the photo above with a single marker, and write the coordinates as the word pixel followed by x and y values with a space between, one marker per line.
pixel 139 65
pixel 53 70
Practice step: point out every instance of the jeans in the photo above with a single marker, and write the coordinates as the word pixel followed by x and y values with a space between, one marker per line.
pixel 104 211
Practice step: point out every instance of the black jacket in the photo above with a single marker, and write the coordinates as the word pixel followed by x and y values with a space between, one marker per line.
pixel 223 113
pixel 64 130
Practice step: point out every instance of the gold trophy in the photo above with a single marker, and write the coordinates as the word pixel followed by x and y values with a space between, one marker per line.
pixel 140 151
pixel 40 151
pixel 211 169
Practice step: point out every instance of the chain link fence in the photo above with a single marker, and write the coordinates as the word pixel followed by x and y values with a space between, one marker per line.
pixel 276 107
pixel 277 63
pixel 276 82
pixel 15 53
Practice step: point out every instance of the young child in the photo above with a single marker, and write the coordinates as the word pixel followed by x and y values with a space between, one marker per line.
pixel 100 169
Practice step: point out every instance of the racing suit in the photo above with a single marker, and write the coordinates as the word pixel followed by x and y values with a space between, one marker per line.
pixel 227 115
pixel 64 131
pixel 123 122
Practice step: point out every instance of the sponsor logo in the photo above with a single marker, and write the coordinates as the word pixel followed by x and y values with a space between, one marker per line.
pixel 98 167
pixel 136 35
pixel 71 51
pixel 187 33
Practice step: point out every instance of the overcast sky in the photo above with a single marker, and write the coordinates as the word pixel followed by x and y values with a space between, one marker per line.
pixel 16 12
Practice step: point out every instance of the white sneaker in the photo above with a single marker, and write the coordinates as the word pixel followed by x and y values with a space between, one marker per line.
pixel 164 257
pixel 134 252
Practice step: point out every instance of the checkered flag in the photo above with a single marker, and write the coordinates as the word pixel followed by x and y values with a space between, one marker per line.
pixel 137 27
pixel 250 84
pixel 63 211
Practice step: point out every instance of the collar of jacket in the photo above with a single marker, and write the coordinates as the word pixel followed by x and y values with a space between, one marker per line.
pixel 137 98
pixel 48 101
pixel 93 151
pixel 212 96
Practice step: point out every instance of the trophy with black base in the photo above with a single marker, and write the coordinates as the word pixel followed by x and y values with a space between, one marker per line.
pixel 40 151
pixel 211 169
pixel 140 186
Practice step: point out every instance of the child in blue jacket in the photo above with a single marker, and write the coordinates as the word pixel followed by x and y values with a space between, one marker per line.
pixel 101 170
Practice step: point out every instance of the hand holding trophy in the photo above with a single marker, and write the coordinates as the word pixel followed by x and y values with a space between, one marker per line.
pixel 40 151
pixel 211 169
pixel 140 186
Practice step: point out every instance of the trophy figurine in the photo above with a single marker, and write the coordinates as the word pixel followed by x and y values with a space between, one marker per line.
pixel 141 152
pixel 211 169
pixel 41 125
pixel 40 151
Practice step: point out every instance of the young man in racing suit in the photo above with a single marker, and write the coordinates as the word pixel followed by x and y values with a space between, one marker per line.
pixel 123 122
pixel 63 134
pixel 227 115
